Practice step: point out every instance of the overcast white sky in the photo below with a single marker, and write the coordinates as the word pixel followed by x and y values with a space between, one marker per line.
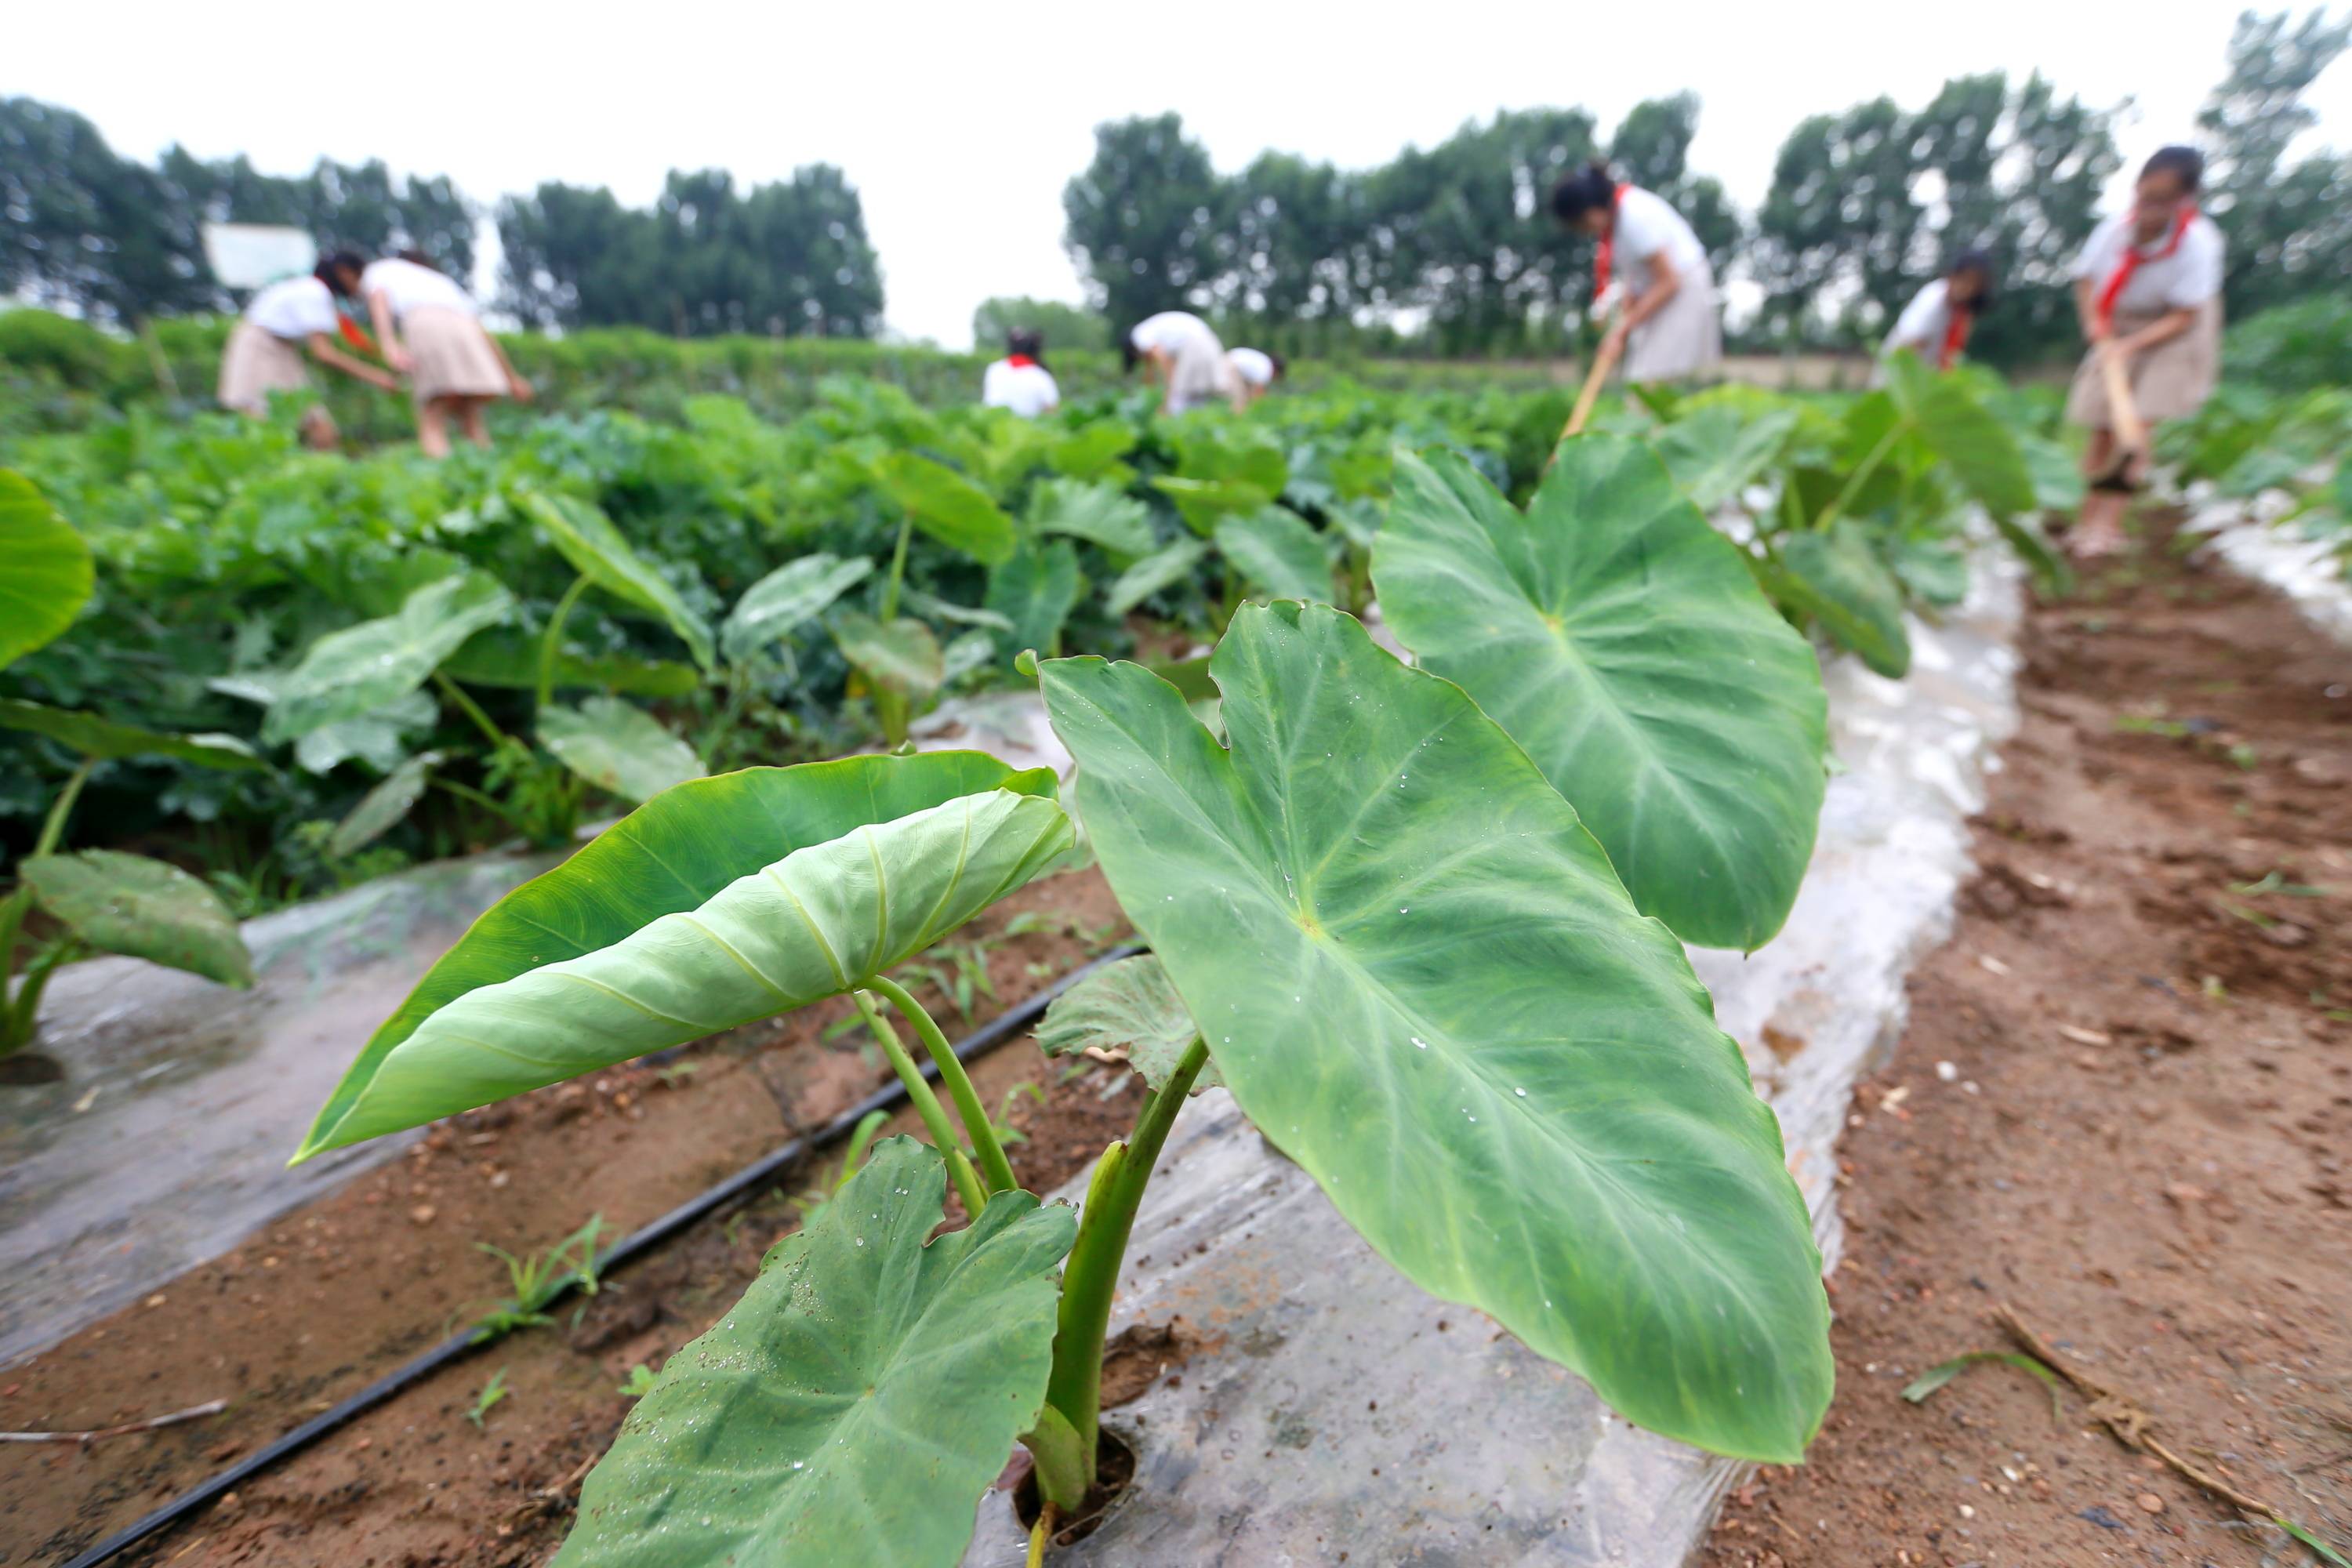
pixel 958 124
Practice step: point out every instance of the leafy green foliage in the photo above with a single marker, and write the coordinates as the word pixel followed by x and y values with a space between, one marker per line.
pixel 1624 644
pixel 949 507
pixel 45 569
pixel 381 809
pixel 142 908
pixel 1129 1009
pixel 1836 579
pixel 354 673
pixel 855 1403
pixel 1035 591
pixel 106 741
pixel 587 538
pixel 1276 552
pixel 621 750
pixel 781 601
pixel 1383 916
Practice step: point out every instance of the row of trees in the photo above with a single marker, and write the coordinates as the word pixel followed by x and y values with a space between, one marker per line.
pixel 1864 206
pixel 1446 250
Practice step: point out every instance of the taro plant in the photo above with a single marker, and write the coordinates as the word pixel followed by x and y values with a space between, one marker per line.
pixel 1373 916
pixel 101 900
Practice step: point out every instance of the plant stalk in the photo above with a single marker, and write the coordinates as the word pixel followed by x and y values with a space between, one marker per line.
pixel 1091 1276
pixel 17 1028
pixel 550 642
pixel 1861 475
pixel 897 569
pixel 53 826
pixel 472 710
pixel 996 1170
pixel 927 1104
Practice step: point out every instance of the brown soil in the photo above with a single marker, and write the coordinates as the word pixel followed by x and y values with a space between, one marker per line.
pixel 334 1295
pixel 2141 1139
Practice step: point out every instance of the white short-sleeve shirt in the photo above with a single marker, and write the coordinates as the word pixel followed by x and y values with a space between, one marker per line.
pixel 293 308
pixel 409 287
pixel 1647 226
pixel 1924 322
pixel 2181 281
pixel 1028 390
pixel 1173 331
pixel 1255 366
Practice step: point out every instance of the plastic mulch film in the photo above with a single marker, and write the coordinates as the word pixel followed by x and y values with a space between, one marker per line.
pixel 2250 536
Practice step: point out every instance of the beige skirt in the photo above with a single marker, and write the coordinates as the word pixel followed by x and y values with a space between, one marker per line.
pixel 1682 341
pixel 255 363
pixel 452 355
pixel 1200 376
pixel 2170 381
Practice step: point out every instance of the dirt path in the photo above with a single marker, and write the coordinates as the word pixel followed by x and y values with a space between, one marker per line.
pixel 2124 1106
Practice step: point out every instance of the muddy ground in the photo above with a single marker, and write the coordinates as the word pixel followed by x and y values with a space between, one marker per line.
pixel 2122 1107
pixel 336 1293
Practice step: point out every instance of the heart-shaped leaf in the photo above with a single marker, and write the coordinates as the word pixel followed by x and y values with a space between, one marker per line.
pixel 1094 451
pixel 45 575
pixel 899 656
pixel 1969 439
pixel 620 749
pixel 586 539
pixel 672 853
pixel 1036 592
pixel 1277 552
pixel 384 807
pixel 786 599
pixel 1128 1008
pixel 949 507
pixel 1624 644
pixel 1717 449
pixel 1158 570
pixel 1119 524
pixel 142 909
pixel 853 1406
pixel 351 673
pixel 1203 503
pixel 1836 579
pixel 108 741
pixel 1422 979
pixel 505 659
pixel 819 922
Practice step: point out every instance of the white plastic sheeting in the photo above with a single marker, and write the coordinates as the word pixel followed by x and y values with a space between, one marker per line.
pixel 2248 536
pixel 1337 1409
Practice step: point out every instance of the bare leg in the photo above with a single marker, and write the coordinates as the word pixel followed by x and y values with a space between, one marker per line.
pixel 319 429
pixel 432 427
pixel 2099 529
pixel 469 418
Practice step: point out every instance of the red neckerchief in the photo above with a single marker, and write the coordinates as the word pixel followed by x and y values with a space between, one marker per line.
pixel 1605 257
pixel 1019 362
pixel 2132 259
pixel 1955 334
pixel 354 334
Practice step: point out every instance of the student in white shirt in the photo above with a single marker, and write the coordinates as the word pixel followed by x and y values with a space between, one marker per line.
pixel 1256 370
pixel 1020 381
pixel 2147 287
pixel 1669 327
pixel 283 321
pixel 430 330
pixel 1179 350
pixel 1936 322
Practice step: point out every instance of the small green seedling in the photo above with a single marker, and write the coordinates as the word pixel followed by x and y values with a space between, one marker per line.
pixel 492 1393
pixel 538 1278
pixel 640 1384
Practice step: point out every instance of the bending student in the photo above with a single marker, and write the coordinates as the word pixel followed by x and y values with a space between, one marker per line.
pixel 1254 371
pixel 430 330
pixel 1936 322
pixel 1181 351
pixel 263 355
pixel 1668 328
pixel 2147 287
pixel 1020 381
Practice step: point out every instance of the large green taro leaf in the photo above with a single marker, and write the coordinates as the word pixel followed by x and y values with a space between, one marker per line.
pixel 781 601
pixel 1116 522
pixel 620 749
pixel 1160 569
pixel 1968 436
pixel 900 655
pixel 107 740
pixel 1624 643
pixel 142 908
pixel 818 922
pixel 1034 592
pixel 949 507
pixel 46 573
pixel 1277 552
pixel 504 659
pixel 589 543
pixel 1422 979
pixel 1836 579
pixel 672 853
pixel 855 1404
pixel 1719 448
pixel 353 673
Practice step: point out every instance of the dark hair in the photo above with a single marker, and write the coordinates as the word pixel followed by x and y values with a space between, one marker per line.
pixel 2186 164
pixel 1578 194
pixel 335 261
pixel 1130 356
pixel 1027 342
pixel 1978 260
pixel 1274 359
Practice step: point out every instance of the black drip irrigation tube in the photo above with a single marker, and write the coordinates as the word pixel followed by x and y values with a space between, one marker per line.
pixel 757 1174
